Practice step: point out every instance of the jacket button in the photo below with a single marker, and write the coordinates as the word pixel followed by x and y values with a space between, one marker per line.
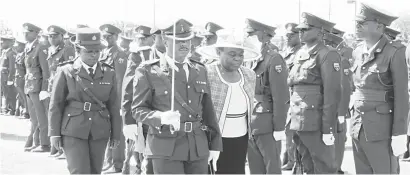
pixel 166 92
pixel 202 90
pixel 189 101
pixel 69 115
pixel 89 118
pixel 362 112
pixel 92 83
pixel 190 116
pixel 257 75
pixel 363 67
pixel 189 86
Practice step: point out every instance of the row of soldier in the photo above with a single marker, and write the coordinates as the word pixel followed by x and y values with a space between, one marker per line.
pixel 320 74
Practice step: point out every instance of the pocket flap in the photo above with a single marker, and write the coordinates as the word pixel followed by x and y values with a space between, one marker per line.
pixel 161 90
pixel 201 89
pixel 72 112
pixel 378 69
pixel 384 109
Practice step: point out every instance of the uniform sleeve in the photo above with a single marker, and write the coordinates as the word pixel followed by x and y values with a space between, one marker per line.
pixel 122 65
pixel 12 65
pixel 127 91
pixel 346 91
pixel 42 58
pixel 330 72
pixel 399 72
pixel 57 103
pixel 113 106
pixel 209 119
pixel 141 106
pixel 278 74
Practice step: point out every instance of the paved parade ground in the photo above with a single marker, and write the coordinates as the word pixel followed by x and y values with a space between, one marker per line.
pixel 14 161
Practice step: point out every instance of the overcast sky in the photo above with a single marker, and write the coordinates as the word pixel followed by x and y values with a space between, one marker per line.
pixel 227 13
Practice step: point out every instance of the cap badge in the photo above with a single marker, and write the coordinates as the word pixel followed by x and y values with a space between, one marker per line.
pixel 378 50
pixel 106 29
pixel 52 29
pixel 26 27
pixel 182 28
pixel 94 38
pixel 141 31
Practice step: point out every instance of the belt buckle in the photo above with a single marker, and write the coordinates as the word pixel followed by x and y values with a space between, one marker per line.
pixel 87 106
pixel 188 125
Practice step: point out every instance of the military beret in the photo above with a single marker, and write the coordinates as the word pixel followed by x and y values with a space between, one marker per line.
pixel 391 32
pixel 28 27
pixel 310 20
pixel 371 13
pixel 109 29
pixel 126 39
pixel 53 29
pixel 335 39
pixel 87 38
pixel 7 38
pixel 211 29
pixel 182 30
pixel 291 28
pixel 252 26
pixel 142 31
pixel 338 32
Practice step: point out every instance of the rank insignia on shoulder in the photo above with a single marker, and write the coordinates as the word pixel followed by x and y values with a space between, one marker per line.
pixel 200 82
pixel 346 71
pixel 278 68
pixel 105 83
pixel 336 66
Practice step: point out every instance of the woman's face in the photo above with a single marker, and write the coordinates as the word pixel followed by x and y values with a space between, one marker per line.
pixel 90 56
pixel 231 58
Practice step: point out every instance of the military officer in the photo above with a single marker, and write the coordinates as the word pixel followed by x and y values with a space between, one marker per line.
pixel 292 46
pixel 334 41
pixel 268 119
pixel 343 49
pixel 315 82
pixel 84 109
pixel 36 82
pixel 19 46
pixel 380 106
pixel 139 54
pixel 158 43
pixel 115 57
pixel 210 33
pixel 67 37
pixel 176 139
pixel 195 43
pixel 406 156
pixel 125 45
pixel 58 52
pixel 391 33
pixel 7 73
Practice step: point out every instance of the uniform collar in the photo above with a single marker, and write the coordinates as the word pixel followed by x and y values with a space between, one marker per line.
pixel 29 45
pixel 112 49
pixel 86 67
pixel 171 63
pixel 368 51
pixel 314 49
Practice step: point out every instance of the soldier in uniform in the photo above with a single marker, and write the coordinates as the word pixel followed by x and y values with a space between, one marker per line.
pixel 58 52
pixel 139 54
pixel 7 73
pixel 406 155
pixel 177 142
pixel 210 33
pixel 334 41
pixel 271 94
pixel 380 100
pixel 315 82
pixel 84 108
pixel 125 45
pixel 115 57
pixel 19 81
pixel 343 49
pixel 292 47
pixel 37 74
pixel 67 41
pixel 158 46
pixel 391 34
pixel 196 43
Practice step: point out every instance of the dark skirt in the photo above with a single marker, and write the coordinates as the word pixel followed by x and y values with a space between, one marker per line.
pixel 232 159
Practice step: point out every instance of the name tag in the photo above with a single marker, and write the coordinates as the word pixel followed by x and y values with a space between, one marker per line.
pixel 105 83
pixel 200 82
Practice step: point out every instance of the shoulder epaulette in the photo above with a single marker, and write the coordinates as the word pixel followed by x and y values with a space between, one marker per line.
pixel 196 61
pixel 149 62
pixel 107 65
pixel 397 44
pixel 66 62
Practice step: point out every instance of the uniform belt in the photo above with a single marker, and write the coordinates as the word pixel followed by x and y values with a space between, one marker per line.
pixel 371 95
pixel 307 89
pixel 191 126
pixel 86 106
pixel 33 69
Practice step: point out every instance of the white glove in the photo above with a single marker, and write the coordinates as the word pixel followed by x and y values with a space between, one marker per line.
pixel 9 83
pixel 279 135
pixel 43 95
pixel 171 118
pixel 214 156
pixel 130 131
pixel 328 139
pixel 398 144
pixel 341 119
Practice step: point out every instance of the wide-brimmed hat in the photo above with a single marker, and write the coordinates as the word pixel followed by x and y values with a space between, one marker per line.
pixel 231 38
pixel 87 38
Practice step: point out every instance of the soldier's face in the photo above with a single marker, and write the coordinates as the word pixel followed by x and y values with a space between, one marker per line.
pixel 110 39
pixel 231 58
pixel 309 35
pixel 182 48
pixel 90 56
pixel 210 39
pixel 55 40
pixel 292 39
pixel 30 36
pixel 368 29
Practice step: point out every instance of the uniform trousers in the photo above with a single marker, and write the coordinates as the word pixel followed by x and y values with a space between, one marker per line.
pixel 316 157
pixel 167 166
pixel 340 145
pixel 40 116
pixel 374 157
pixel 290 146
pixel 34 136
pixel 84 156
pixel 264 154
pixel 116 156
pixel 10 95
pixel 143 164
pixel 22 99
pixel 232 158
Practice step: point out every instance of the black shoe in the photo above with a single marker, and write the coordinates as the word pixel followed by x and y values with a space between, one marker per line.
pixel 41 149
pixel 340 172
pixel 28 149
pixel 112 170
pixel 287 167
pixel 61 156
